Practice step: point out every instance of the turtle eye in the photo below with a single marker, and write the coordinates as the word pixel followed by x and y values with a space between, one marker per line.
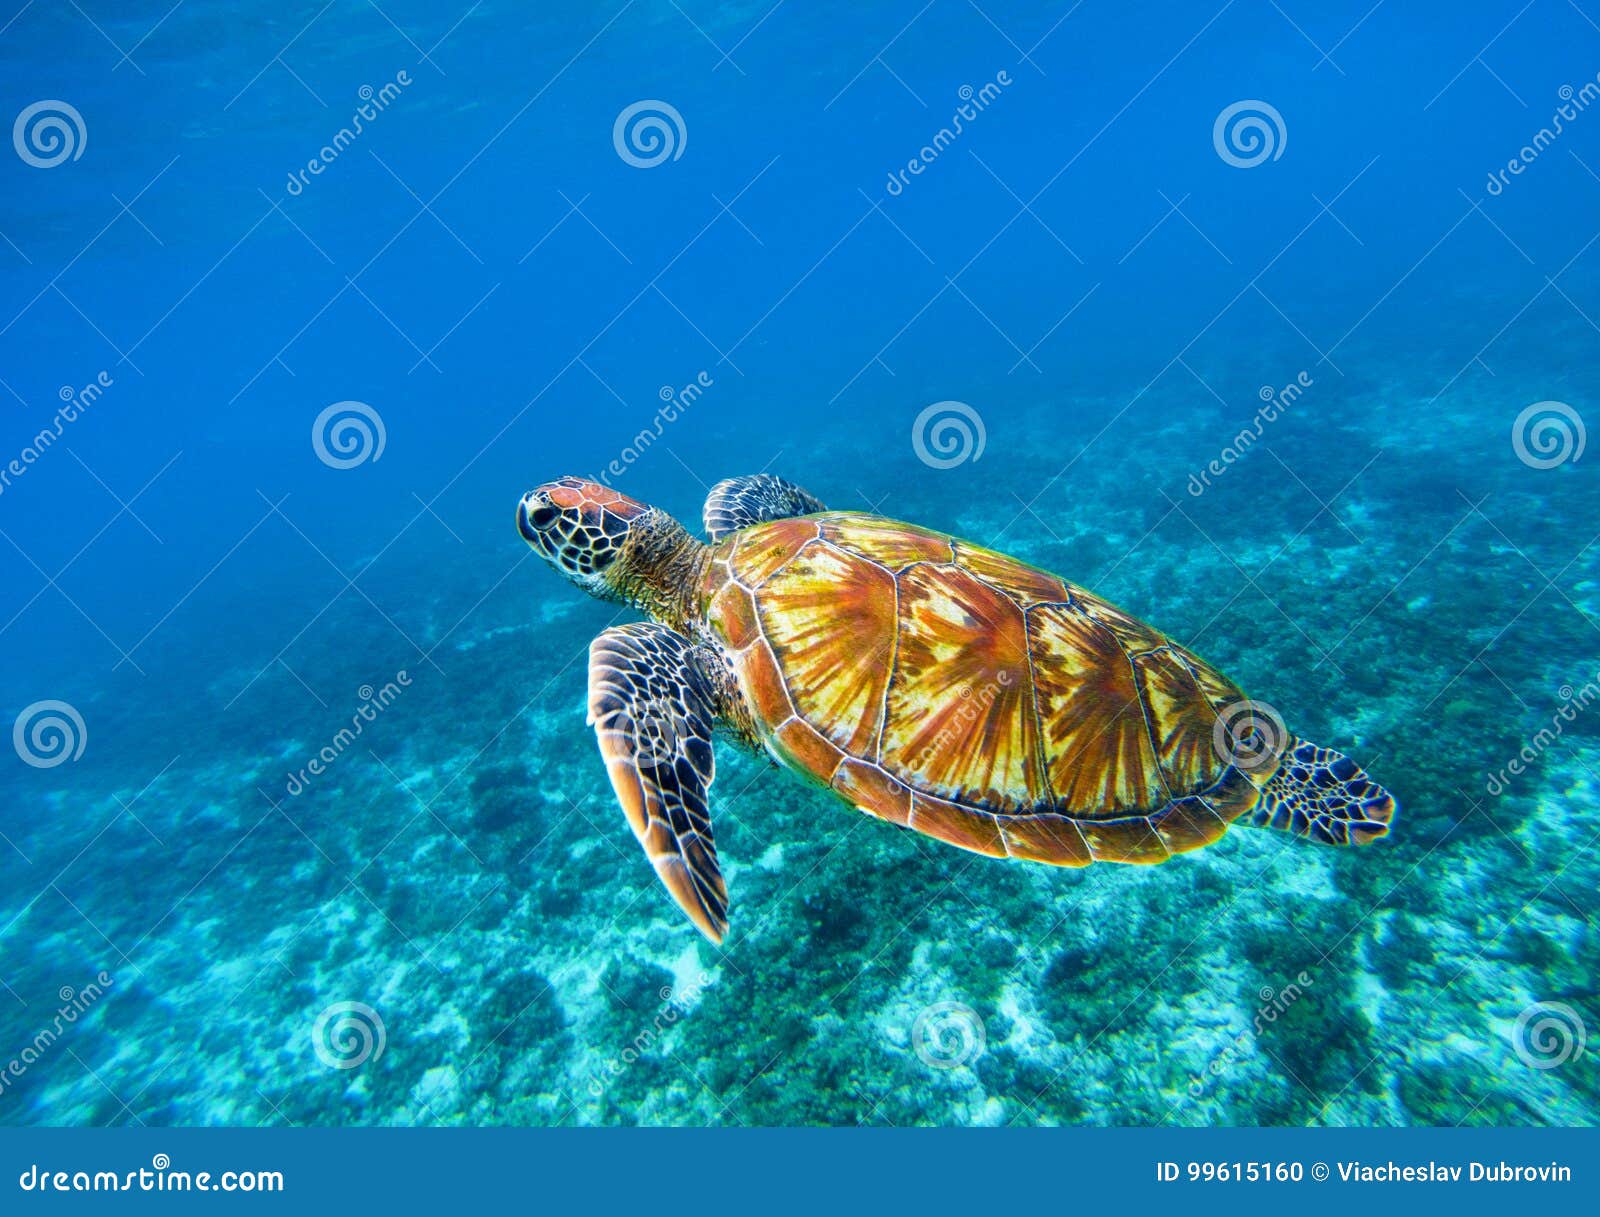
pixel 542 517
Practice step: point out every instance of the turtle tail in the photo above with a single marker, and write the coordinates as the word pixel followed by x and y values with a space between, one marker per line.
pixel 1324 796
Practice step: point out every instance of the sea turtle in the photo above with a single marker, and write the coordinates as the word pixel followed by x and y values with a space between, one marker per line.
pixel 928 681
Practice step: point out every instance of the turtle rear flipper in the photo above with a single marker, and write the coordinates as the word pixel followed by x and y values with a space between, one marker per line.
pixel 653 709
pixel 1324 796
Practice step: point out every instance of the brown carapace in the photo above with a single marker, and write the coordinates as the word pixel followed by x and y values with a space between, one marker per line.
pixel 927 681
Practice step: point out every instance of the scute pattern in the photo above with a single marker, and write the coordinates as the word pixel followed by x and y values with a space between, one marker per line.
pixel 765 549
pixel 1026 584
pixel 893 546
pixel 960 723
pixel 1005 711
pixel 823 595
pixel 1181 720
pixel 1102 764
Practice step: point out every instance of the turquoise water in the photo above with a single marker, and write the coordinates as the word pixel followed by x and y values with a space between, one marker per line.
pixel 1264 385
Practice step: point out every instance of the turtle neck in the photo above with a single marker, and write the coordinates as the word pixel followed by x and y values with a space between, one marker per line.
pixel 660 570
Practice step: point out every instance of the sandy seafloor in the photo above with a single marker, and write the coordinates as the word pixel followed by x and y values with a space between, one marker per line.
pixel 464 873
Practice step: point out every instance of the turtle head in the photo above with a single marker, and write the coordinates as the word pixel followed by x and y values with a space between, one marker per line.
pixel 613 547
pixel 581 528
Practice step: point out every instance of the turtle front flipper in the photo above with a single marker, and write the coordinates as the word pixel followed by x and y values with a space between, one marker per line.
pixel 736 503
pixel 1324 796
pixel 652 709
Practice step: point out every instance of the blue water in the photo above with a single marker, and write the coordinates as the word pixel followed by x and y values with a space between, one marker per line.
pixel 1086 266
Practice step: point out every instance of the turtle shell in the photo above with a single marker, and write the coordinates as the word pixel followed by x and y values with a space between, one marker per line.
pixel 959 692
